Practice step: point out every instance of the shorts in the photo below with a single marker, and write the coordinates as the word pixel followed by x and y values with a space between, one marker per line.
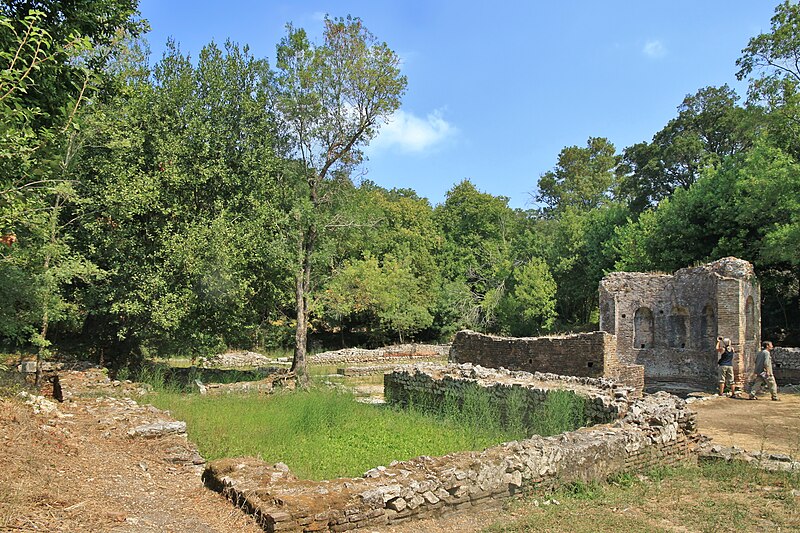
pixel 725 374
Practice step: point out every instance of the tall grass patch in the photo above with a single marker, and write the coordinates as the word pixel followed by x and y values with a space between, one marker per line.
pixel 321 433
pixel 164 378
pixel 511 412
pixel 561 411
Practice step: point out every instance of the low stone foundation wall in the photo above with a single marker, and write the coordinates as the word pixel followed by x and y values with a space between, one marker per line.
pixel 786 365
pixel 775 462
pixel 354 371
pixel 241 359
pixel 656 430
pixel 592 355
pixel 431 384
pixel 398 351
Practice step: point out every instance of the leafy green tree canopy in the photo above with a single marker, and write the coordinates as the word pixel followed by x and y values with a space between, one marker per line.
pixel 583 178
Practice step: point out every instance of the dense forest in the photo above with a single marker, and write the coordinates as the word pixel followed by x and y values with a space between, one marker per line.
pixel 206 203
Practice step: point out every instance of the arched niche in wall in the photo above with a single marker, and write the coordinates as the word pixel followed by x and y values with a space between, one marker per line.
pixel 708 327
pixel 678 331
pixel 643 328
pixel 749 319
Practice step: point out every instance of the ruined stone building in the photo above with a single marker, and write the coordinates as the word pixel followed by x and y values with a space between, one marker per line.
pixel 590 355
pixel 669 323
pixel 656 331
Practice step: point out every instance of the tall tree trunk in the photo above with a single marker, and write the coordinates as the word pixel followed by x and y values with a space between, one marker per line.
pixel 45 310
pixel 302 289
pixel 40 352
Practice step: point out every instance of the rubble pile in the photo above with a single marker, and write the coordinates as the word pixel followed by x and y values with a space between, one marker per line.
pixel 243 359
pixel 394 353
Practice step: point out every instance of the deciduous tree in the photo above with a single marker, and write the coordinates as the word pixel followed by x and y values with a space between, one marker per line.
pixel 333 98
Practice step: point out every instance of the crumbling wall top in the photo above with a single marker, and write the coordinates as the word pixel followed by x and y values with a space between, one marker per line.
pixel 727 267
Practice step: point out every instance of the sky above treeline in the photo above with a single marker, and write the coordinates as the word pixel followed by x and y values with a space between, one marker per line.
pixel 497 89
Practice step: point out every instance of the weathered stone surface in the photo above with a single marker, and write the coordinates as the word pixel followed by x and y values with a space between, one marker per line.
pixel 184 456
pixel 158 429
pixel 386 354
pixel 669 323
pixel 27 367
pixel 769 461
pixel 786 365
pixel 434 381
pixel 40 404
pixel 592 355
pixel 236 360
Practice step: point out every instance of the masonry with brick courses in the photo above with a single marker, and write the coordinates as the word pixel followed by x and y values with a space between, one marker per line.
pixel 591 355
pixel 786 365
pixel 669 323
pixel 657 430
pixel 434 385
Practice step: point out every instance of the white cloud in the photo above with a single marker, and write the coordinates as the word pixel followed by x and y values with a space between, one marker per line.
pixel 410 133
pixel 654 49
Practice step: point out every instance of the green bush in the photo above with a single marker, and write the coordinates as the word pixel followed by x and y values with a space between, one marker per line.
pixel 561 411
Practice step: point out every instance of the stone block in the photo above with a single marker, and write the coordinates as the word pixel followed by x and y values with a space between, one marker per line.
pixel 28 367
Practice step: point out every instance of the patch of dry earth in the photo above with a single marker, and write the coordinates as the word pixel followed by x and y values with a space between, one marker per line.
pixel 77 469
pixel 755 425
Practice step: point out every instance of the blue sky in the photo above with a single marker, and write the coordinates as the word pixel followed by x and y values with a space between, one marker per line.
pixel 497 89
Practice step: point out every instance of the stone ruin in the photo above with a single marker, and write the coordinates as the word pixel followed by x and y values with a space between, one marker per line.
pixel 657 330
pixel 386 354
pixel 633 434
pixel 592 355
pixel 786 365
pixel 669 323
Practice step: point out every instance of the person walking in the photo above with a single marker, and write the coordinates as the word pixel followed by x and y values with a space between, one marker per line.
pixel 764 375
pixel 725 356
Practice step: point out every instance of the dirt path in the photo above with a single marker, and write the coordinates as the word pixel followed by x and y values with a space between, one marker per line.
pixel 760 425
pixel 77 469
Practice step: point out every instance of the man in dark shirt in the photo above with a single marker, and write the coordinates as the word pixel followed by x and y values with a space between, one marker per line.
pixel 726 355
pixel 763 375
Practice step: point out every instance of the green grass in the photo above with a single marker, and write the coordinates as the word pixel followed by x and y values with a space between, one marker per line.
pixel 320 433
pixel 323 433
pixel 710 497
pixel 167 378
pixel 476 408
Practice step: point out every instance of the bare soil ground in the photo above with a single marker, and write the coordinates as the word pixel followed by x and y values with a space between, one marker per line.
pixel 760 425
pixel 79 470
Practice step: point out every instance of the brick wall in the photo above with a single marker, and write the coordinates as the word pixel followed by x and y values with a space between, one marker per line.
pixel 583 354
pixel 669 323
pixel 786 365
